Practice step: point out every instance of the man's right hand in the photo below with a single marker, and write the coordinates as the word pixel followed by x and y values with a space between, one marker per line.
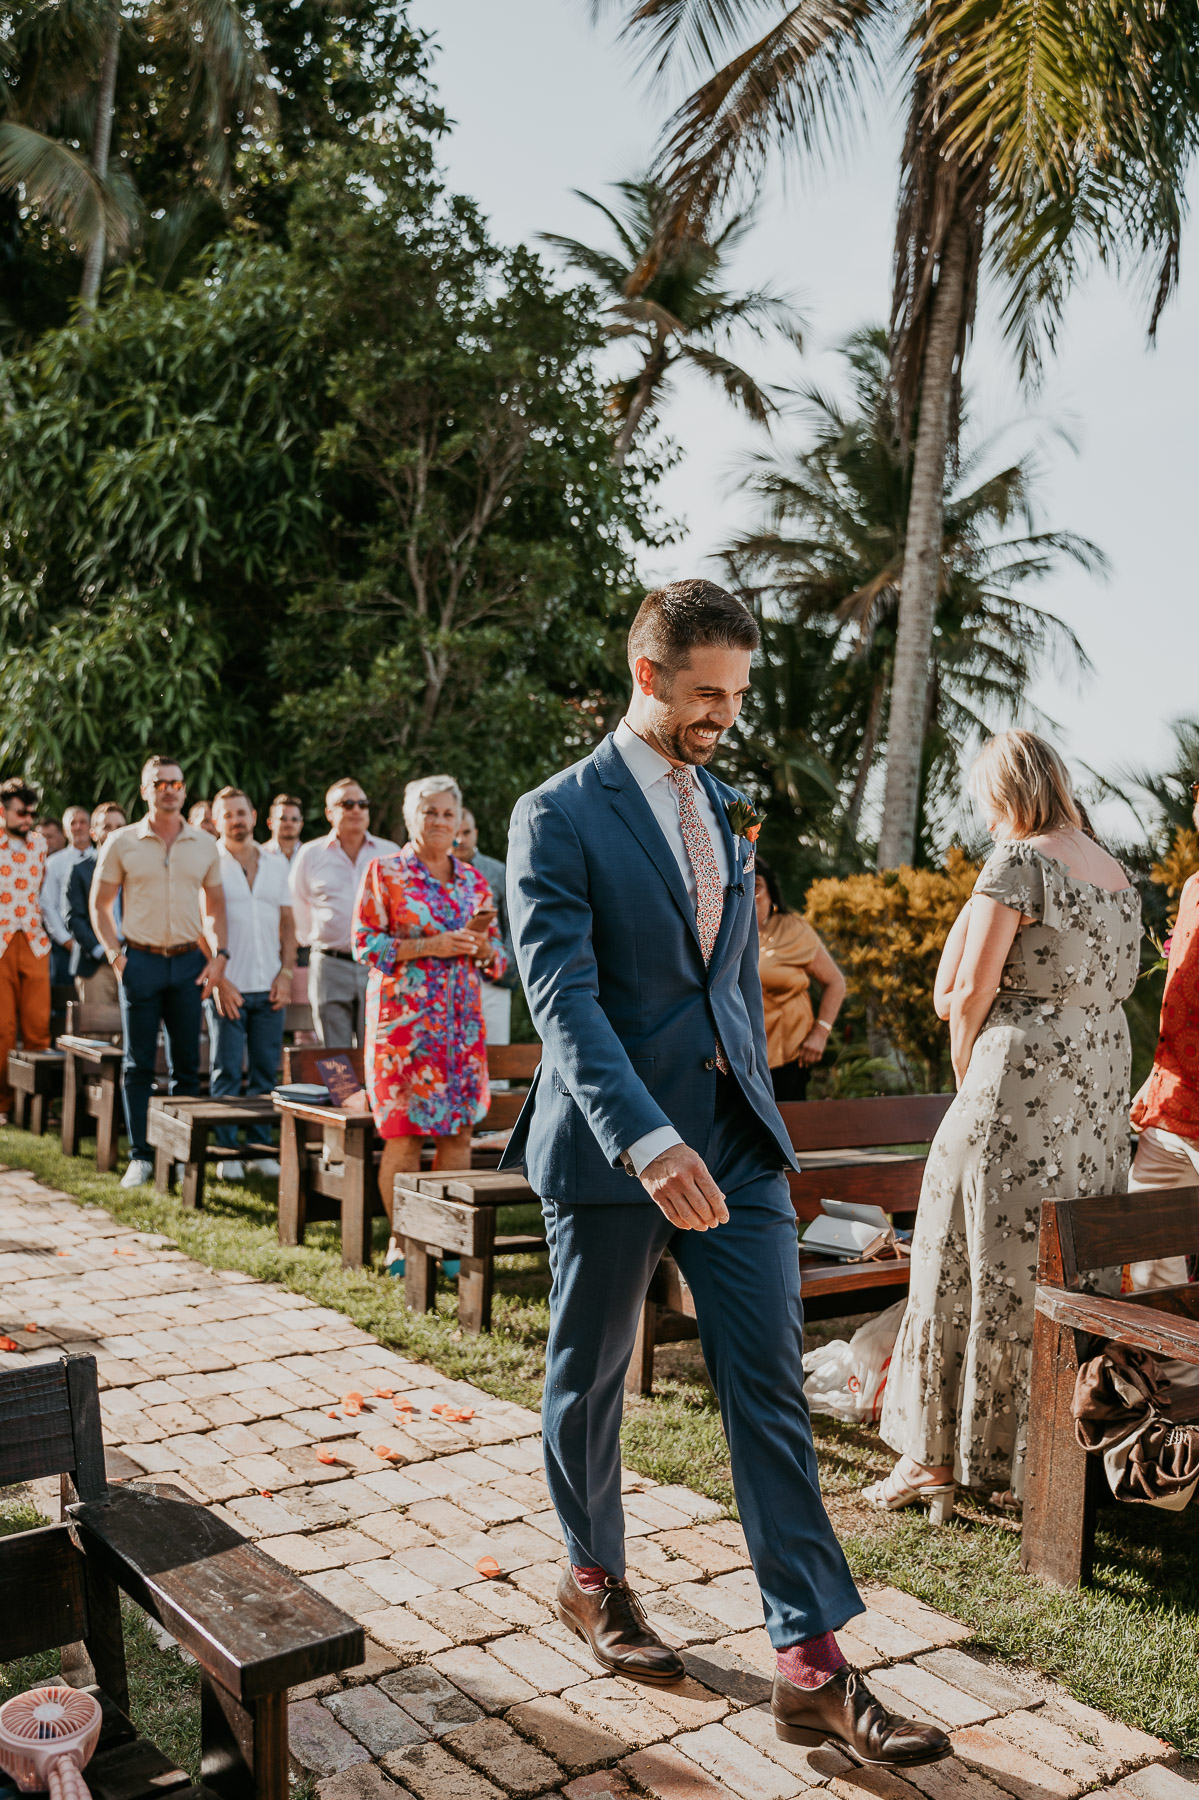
pixel 679 1183
pixel 118 965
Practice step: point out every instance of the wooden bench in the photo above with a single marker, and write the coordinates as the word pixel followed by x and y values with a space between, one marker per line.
pixel 254 1628
pixel 329 1157
pixel 837 1144
pixel 35 1077
pixel 91 1080
pixel 1062 1483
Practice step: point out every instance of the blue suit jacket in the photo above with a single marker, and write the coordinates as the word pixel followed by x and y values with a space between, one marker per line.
pixel 608 948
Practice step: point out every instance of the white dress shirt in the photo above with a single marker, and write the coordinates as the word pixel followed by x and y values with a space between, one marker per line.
pixel 651 771
pixel 271 848
pixel 252 915
pixel 324 887
pixel 53 897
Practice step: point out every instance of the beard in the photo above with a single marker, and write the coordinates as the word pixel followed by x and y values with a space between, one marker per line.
pixel 677 740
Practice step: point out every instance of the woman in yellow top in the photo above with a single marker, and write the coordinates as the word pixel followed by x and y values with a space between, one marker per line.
pixel 790 957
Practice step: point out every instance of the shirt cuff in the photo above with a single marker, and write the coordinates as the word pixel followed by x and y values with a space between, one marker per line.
pixel 642 1153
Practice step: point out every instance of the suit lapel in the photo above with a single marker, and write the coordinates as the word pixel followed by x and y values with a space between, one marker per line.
pixel 633 807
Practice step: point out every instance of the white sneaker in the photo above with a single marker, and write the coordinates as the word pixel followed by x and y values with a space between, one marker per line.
pixel 138 1173
pixel 268 1165
pixel 230 1171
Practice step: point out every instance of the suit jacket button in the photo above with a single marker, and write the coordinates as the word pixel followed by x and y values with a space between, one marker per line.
pixel 710 1063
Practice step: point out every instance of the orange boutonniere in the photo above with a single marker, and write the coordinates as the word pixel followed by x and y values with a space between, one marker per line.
pixel 744 820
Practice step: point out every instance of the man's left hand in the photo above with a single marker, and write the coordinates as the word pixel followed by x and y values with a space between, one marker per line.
pixel 228 998
pixel 281 986
pixel 210 976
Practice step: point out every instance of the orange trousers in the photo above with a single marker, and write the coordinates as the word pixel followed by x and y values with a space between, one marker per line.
pixel 24 1005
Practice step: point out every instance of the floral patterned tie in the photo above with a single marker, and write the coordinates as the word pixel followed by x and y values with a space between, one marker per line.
pixel 709 895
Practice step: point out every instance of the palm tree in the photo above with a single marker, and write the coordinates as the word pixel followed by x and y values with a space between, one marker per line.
pixel 66 64
pixel 680 313
pixel 825 572
pixel 1033 132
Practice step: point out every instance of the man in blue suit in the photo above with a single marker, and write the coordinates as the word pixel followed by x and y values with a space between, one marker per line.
pixel 652 1126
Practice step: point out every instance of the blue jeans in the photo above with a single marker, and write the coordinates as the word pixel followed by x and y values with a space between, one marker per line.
pixel 254 1037
pixel 158 990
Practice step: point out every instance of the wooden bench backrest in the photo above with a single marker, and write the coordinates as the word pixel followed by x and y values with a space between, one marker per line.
pixel 297 1017
pixel 513 1062
pixel 300 1060
pixel 50 1425
pixel 90 1020
pixel 43 1604
pixel 1112 1229
pixel 863 1124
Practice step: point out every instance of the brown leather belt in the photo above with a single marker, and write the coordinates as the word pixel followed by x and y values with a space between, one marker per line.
pixel 162 949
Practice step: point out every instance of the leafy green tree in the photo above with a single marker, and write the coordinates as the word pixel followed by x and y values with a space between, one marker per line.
pixel 153 132
pixel 681 313
pixel 1035 135
pixel 825 570
pixel 348 503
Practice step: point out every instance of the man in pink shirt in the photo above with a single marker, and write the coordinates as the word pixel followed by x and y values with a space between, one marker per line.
pixel 25 962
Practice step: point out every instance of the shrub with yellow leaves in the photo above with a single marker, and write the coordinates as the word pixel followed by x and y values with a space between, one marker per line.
pixel 887 932
pixel 1176 867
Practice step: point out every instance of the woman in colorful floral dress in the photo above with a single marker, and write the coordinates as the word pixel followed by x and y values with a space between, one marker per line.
pixel 418 927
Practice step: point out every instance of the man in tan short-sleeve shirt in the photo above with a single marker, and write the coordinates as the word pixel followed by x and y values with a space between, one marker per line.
pixel 161 867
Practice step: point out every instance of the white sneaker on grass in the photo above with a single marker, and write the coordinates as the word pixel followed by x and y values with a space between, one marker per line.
pixel 138 1173
pixel 268 1165
pixel 231 1171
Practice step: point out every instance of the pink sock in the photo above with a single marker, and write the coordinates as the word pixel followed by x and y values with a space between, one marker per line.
pixel 812 1663
pixel 590 1579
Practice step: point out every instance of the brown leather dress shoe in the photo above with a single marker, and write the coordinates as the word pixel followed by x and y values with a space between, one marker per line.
pixel 843 1712
pixel 613 1624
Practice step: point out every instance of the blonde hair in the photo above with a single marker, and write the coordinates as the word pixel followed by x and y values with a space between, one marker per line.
pixel 418 791
pixel 1024 780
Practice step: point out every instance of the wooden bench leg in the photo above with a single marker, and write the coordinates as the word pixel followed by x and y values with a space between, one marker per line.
pixel 420 1276
pixel 72 1105
pixel 107 1129
pixel 356 1200
pixel 1058 1539
pixel 191 1189
pixel 243 1748
pixel 164 1170
pixel 292 1197
pixel 476 1277
pixel 37 1114
pixel 18 1108
pixel 639 1376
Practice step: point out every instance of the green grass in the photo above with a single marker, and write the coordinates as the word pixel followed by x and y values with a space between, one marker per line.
pixel 1129 1644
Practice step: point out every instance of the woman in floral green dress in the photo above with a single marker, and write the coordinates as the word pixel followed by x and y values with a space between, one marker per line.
pixel 1032 982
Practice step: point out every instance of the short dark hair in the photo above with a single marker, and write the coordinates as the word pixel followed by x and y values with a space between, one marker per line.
pixel 285 800
pixel 158 761
pixel 17 788
pixel 777 903
pixel 677 618
pixel 229 793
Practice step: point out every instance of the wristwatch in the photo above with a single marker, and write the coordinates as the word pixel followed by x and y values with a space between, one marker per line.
pixel 223 953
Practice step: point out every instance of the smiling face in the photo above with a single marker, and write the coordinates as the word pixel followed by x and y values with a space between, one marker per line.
pixel 685 713
pixel 235 819
pixel 437 821
pixel 77 824
pixel 286 822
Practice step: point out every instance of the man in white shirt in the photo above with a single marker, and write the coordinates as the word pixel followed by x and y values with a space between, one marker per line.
pixel 76 824
pixel 326 874
pixel 245 1021
pixel 285 822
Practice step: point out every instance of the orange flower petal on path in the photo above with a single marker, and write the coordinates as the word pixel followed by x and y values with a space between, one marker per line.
pixel 266 1493
pixel 7 1343
pixel 386 1452
pixel 31 1327
pixel 384 1393
pixel 487 1567
pixel 352 1405
pixel 440 1407
pixel 331 1415
pixel 404 1406
pixel 62 1253
pixel 325 1456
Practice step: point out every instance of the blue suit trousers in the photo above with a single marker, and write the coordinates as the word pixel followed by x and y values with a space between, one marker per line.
pixel 744 1276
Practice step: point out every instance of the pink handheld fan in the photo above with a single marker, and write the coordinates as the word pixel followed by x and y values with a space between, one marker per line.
pixel 46 1736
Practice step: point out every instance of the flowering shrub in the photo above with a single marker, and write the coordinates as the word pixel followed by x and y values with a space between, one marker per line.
pixel 887 933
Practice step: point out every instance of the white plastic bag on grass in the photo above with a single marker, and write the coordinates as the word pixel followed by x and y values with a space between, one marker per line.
pixel 847 1379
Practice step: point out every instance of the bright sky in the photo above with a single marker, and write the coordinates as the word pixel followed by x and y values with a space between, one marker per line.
pixel 542 102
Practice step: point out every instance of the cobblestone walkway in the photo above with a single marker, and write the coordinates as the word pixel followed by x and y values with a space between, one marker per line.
pixel 236 1390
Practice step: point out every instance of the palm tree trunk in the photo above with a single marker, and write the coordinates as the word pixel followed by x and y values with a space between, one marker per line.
pixel 922 560
pixel 628 431
pixel 93 262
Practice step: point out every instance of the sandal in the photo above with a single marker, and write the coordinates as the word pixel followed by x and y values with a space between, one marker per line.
pixel 892 1493
pixel 1006 1501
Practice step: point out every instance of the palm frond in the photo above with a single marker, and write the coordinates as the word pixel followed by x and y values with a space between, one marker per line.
pixel 58 183
pixel 739 386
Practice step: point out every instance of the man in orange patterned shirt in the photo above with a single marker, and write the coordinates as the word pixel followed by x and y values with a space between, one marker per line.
pixel 1166 1110
pixel 25 957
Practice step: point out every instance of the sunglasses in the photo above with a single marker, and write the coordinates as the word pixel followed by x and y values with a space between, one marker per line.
pixel 353 805
pixel 169 787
